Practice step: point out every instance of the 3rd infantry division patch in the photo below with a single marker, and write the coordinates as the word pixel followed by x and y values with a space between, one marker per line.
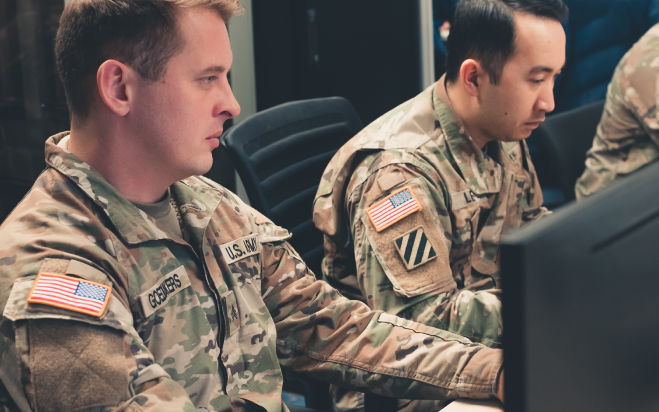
pixel 415 248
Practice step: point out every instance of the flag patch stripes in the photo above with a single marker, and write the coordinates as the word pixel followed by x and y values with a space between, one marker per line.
pixel 415 248
pixel 392 209
pixel 70 293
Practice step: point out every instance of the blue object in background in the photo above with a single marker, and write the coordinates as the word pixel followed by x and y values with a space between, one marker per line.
pixel 291 398
pixel 599 33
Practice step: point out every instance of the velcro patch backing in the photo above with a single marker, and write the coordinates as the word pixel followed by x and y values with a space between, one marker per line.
pixel 393 208
pixel 415 248
pixel 67 292
pixel 76 366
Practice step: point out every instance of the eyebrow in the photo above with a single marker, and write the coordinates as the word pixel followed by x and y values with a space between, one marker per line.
pixel 543 69
pixel 214 69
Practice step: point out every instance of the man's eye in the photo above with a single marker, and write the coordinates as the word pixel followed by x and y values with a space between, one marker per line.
pixel 209 79
pixel 537 80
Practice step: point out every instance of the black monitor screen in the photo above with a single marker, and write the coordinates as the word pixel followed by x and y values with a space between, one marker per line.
pixel 581 304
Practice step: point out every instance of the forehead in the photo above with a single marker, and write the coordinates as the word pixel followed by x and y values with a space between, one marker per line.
pixel 206 37
pixel 538 42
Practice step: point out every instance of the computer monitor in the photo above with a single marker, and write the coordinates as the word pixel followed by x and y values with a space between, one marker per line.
pixel 581 304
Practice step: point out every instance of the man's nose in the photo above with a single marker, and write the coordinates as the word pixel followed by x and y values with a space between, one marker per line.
pixel 228 104
pixel 545 102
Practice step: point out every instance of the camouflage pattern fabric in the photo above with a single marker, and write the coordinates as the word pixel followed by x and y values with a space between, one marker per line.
pixel 468 198
pixel 200 323
pixel 627 137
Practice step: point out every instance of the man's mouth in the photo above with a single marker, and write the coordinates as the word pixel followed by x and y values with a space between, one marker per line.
pixel 534 123
pixel 215 135
pixel 538 121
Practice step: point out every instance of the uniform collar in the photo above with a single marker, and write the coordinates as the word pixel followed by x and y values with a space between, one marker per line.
pixel 480 171
pixel 196 203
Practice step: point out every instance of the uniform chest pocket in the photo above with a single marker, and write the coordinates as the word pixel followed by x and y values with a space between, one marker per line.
pixel 465 224
pixel 517 202
pixel 243 257
pixel 168 307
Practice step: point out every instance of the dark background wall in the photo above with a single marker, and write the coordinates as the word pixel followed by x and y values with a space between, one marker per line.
pixel 367 51
pixel 32 102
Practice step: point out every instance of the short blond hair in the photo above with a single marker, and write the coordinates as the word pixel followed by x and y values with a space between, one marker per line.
pixel 143 34
pixel 225 8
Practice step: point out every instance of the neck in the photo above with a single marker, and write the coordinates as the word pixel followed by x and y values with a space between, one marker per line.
pixel 105 147
pixel 464 106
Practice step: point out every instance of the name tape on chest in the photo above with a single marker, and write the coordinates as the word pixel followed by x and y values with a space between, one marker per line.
pixel 158 296
pixel 70 293
pixel 393 208
pixel 465 198
pixel 241 248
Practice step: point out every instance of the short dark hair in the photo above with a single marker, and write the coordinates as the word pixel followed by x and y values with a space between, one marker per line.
pixel 142 34
pixel 485 30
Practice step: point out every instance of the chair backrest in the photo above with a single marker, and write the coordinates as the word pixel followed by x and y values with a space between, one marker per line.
pixel 281 154
pixel 566 137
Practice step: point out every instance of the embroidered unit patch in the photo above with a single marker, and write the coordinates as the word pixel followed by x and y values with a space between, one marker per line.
pixel 393 208
pixel 415 248
pixel 70 293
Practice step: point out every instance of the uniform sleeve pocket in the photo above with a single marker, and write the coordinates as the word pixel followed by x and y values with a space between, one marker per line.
pixel 405 236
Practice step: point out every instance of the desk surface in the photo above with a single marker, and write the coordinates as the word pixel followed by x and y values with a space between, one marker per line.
pixel 468 405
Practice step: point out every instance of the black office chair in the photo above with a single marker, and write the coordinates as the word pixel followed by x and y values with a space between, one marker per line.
pixel 280 155
pixel 565 138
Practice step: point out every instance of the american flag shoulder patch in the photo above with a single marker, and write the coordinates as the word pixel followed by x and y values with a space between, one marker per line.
pixel 67 292
pixel 393 208
pixel 415 248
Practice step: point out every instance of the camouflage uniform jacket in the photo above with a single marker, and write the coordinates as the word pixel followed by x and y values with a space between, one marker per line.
pixel 627 137
pixel 201 323
pixel 468 198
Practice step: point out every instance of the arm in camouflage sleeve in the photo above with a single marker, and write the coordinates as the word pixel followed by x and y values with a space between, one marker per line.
pixel 422 288
pixel 51 360
pixel 374 281
pixel 341 341
pixel 627 136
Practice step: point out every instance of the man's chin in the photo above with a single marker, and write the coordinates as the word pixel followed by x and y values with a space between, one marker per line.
pixel 198 169
pixel 202 170
pixel 516 138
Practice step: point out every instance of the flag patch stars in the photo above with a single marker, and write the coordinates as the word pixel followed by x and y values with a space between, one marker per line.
pixel 393 208
pixel 415 248
pixel 70 293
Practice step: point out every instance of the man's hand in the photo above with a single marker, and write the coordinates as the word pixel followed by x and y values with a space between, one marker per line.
pixel 500 388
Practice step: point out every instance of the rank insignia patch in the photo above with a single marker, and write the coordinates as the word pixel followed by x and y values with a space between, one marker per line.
pixel 393 208
pixel 70 293
pixel 415 248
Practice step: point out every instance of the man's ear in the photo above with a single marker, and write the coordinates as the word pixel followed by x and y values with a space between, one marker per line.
pixel 113 79
pixel 471 75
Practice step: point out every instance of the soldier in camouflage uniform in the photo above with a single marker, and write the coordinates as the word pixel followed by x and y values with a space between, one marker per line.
pixel 108 307
pixel 627 137
pixel 436 261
